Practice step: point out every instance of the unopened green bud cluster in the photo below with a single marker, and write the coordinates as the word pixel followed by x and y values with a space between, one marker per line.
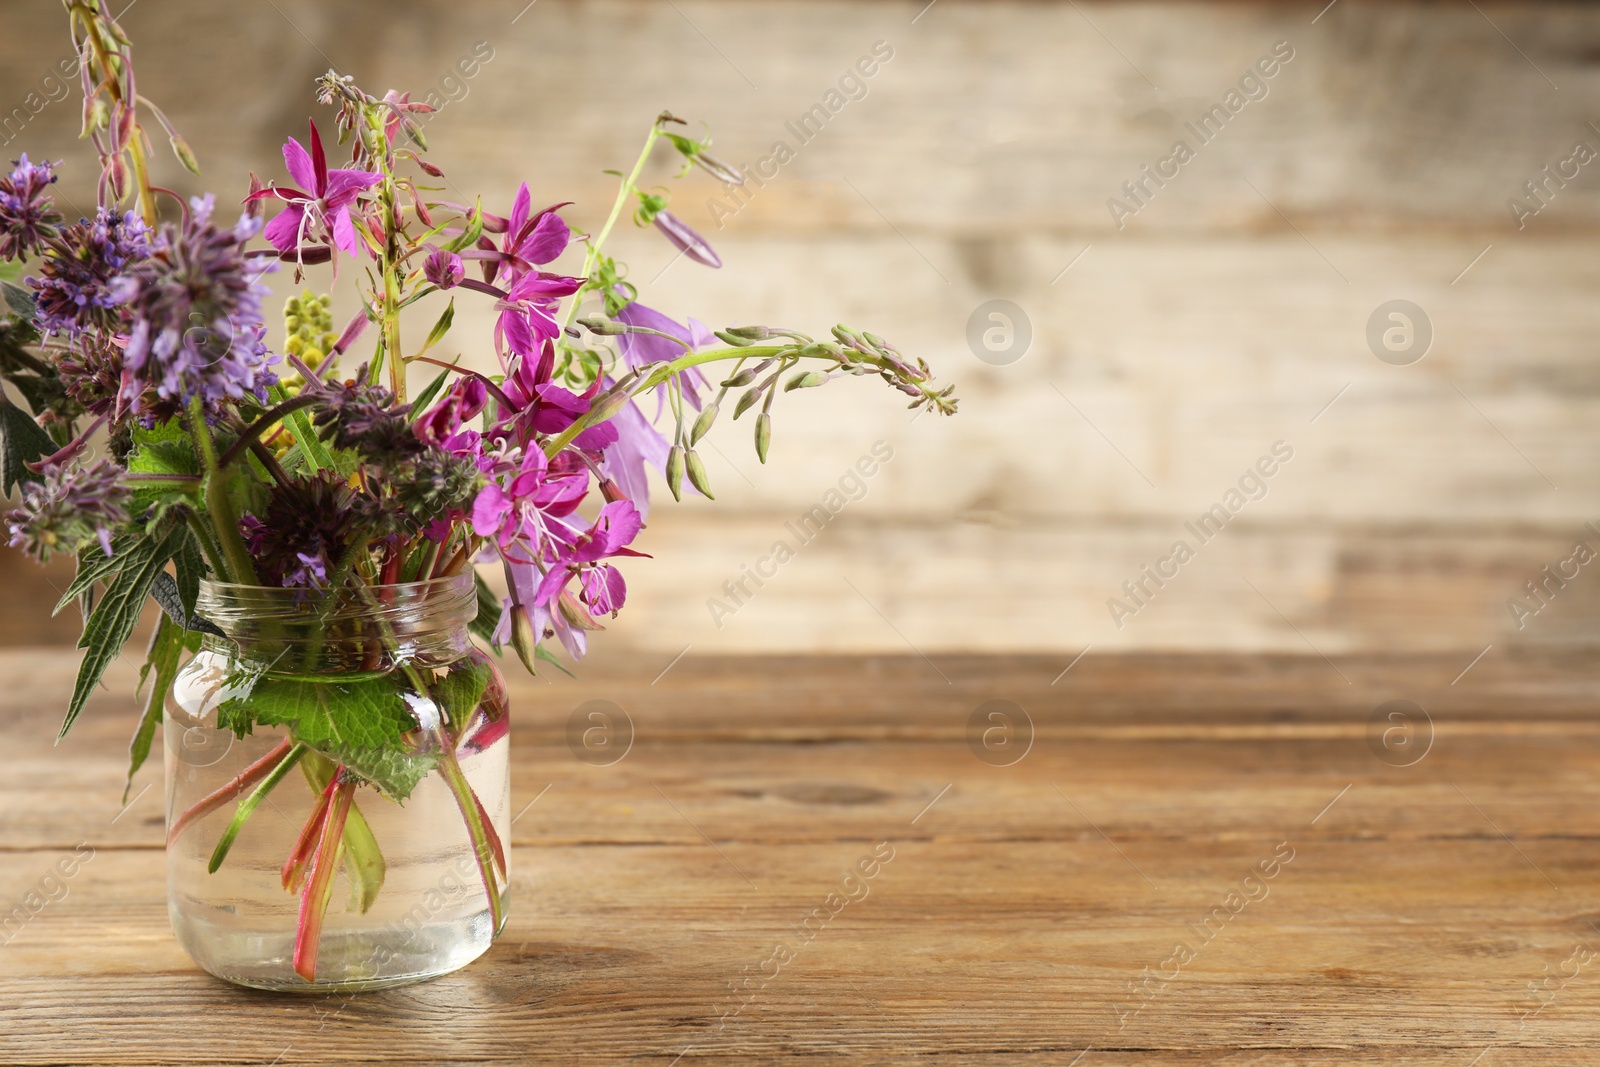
pixel 308 327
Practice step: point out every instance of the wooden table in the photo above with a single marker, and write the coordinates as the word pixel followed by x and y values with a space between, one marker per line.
pixel 1029 912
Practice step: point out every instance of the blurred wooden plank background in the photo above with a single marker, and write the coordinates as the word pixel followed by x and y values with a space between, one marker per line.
pixel 1220 319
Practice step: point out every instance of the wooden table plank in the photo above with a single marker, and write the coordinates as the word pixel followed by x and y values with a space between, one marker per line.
pixel 1022 918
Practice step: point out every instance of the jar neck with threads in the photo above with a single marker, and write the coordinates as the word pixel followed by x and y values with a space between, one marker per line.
pixel 359 628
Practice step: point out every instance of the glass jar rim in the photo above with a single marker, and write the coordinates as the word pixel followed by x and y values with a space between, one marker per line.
pixel 432 604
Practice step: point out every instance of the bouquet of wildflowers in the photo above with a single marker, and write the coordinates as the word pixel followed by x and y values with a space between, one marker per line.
pixel 164 431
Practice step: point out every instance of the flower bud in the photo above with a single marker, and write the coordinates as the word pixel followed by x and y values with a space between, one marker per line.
pixel 607 406
pixel 747 401
pixel 523 639
pixel 685 239
pixel 576 614
pixel 443 269
pixel 742 379
pixel 820 349
pixel 809 380
pixel 763 435
pixel 697 475
pixel 708 415
pixel 675 466
pixel 603 327
pixel 185 155
pixel 719 170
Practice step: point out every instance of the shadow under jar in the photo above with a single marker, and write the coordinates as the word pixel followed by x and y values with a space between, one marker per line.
pixel 338 787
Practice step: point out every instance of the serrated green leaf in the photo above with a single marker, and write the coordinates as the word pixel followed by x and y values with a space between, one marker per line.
pixel 163 457
pixel 95 566
pixel 25 442
pixel 167 645
pixel 441 327
pixel 113 619
pixel 358 722
pixel 190 565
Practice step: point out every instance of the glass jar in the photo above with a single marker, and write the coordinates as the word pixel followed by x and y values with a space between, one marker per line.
pixel 338 787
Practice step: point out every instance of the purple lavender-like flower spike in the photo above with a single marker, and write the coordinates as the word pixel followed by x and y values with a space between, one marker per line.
pixel 686 240
pixel 28 217
pixel 70 508
pixel 81 283
pixel 196 309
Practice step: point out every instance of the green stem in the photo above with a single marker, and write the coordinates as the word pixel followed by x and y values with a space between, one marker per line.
pixel 449 768
pixel 224 516
pixel 257 428
pixel 592 255
pixel 661 373
pixel 472 813
pixel 251 802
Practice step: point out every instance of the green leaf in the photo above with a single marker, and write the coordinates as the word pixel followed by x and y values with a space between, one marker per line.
pixel 24 443
pixel 167 646
pixel 469 237
pixel 166 593
pixel 424 398
pixel 190 564
pixel 441 327
pixel 163 449
pixel 540 652
pixel 113 619
pixel 152 452
pixel 315 452
pixel 359 722
pixel 459 693
pixel 95 566
pixel 18 301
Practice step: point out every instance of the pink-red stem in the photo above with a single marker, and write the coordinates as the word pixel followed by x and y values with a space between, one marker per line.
pixel 232 791
pixel 306 843
pixel 319 879
pixel 492 835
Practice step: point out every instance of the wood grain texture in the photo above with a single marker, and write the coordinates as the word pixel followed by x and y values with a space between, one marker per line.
pixel 1222 318
pixel 1022 905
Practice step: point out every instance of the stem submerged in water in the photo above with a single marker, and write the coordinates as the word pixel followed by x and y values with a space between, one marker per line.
pixel 319 876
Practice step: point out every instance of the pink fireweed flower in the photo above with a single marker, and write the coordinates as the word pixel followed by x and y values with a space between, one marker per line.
pixel 530 240
pixel 527 314
pixel 401 104
pixel 614 529
pixel 526 501
pixel 442 422
pixel 443 269
pixel 325 209
pixel 539 406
